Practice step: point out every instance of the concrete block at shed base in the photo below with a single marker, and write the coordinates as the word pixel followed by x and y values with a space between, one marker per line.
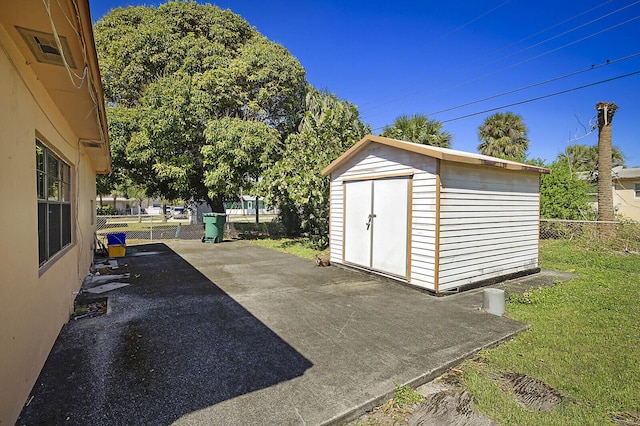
pixel 493 301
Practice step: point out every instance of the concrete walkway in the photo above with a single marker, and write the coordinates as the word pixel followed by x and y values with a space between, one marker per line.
pixel 234 333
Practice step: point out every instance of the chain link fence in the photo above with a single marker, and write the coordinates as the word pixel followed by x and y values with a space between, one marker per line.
pixel 145 228
pixel 152 227
pixel 625 235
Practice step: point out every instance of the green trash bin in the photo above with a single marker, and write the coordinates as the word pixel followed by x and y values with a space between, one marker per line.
pixel 213 227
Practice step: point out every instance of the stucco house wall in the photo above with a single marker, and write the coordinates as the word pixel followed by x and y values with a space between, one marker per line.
pixel 626 193
pixel 36 298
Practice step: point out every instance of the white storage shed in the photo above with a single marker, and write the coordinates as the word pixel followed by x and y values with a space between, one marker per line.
pixel 431 217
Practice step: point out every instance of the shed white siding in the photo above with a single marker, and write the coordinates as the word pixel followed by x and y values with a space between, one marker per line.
pixel 423 224
pixel 488 223
pixel 471 217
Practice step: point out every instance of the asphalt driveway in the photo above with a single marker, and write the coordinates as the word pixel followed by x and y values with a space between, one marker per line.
pixel 234 333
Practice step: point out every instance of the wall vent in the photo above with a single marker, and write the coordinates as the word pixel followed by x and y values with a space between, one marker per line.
pixel 92 144
pixel 44 47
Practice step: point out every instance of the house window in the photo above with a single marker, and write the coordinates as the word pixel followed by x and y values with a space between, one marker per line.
pixel 53 177
pixel 636 187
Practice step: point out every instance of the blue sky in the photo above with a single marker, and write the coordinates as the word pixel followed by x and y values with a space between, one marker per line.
pixel 404 57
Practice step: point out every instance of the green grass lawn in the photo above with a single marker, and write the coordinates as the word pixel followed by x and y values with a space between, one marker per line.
pixel 584 341
pixel 301 247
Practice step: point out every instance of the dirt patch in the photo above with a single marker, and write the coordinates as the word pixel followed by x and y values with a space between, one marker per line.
pixel 449 407
pixel 444 402
pixel 532 393
pixel 625 419
pixel 89 309
pixel 447 402
pixel 388 414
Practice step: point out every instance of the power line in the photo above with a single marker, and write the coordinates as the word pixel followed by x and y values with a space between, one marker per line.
pixel 530 59
pixel 466 24
pixel 542 97
pixel 571 18
pixel 517 42
pixel 570 31
pixel 520 89
pixel 414 93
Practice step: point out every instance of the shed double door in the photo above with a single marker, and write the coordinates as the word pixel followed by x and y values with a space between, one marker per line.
pixel 376 219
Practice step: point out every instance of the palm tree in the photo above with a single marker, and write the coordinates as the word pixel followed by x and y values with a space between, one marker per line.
pixel 419 129
pixel 606 110
pixel 504 135
pixel 138 193
pixel 584 158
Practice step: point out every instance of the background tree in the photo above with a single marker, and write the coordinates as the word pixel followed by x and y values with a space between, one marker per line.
pixel 236 154
pixel 295 183
pixel 170 72
pixel 164 153
pixel 104 186
pixel 419 129
pixel 584 158
pixel 504 135
pixel 563 195
pixel 606 110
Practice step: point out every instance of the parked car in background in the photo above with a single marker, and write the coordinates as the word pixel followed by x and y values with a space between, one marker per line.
pixel 178 212
pixel 153 210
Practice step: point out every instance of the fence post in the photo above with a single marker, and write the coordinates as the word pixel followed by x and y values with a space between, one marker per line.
pixel 151 228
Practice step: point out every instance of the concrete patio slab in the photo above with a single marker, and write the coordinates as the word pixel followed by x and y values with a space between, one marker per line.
pixel 233 333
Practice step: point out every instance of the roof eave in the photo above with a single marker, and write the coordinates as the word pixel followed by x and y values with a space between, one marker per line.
pixel 434 153
pixel 86 33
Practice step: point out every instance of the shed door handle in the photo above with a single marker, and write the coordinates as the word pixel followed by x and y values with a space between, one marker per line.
pixel 371 216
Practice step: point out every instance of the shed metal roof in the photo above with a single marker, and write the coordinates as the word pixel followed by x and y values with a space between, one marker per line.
pixel 435 152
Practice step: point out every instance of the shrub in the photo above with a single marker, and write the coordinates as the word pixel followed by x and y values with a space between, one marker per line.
pixel 106 211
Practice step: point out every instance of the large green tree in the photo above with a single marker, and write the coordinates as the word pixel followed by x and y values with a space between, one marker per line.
pixel 236 154
pixel 504 135
pixel 171 72
pixel 330 126
pixel 419 129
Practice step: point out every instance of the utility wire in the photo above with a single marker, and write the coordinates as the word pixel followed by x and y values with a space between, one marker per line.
pixel 520 89
pixel 571 18
pixel 524 39
pixel 529 59
pixel 567 32
pixel 541 97
pixel 466 24
pixel 414 93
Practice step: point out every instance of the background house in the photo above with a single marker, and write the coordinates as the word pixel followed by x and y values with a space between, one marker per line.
pixel 626 193
pixel 122 205
pixel 432 217
pixel 53 132
pixel 625 188
pixel 246 205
